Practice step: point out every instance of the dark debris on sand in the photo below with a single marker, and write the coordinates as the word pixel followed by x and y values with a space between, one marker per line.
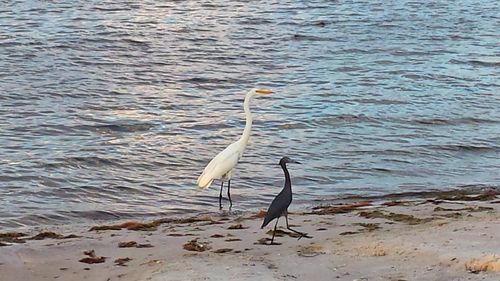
pixel 409 219
pixel 394 203
pixel 265 241
pixel 151 226
pixel 196 246
pixel 237 226
pixel 133 244
pixel 52 235
pixel 462 196
pixel 232 239
pixel 469 209
pixel 281 233
pixel 223 250
pixel 180 234
pixel 127 244
pixel 18 237
pixel 339 209
pixel 12 237
pixel 349 233
pixel 92 258
pixel 122 261
pixel 369 227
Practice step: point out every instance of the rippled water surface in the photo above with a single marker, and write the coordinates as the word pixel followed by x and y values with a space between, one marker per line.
pixel 113 108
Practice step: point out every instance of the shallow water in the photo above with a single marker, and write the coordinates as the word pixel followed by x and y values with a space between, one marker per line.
pixel 112 109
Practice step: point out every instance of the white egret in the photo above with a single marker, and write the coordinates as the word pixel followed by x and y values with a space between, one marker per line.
pixel 221 167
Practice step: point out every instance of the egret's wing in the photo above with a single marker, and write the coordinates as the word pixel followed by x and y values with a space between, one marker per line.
pixel 224 162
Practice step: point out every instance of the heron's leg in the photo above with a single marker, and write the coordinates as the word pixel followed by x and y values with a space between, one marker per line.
pixel 220 195
pixel 302 234
pixel 229 194
pixel 274 232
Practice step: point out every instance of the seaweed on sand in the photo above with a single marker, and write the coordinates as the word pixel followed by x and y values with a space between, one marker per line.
pixel 92 258
pixel 122 261
pixel 12 237
pixel 151 226
pixel 339 209
pixel 409 219
pixel 196 246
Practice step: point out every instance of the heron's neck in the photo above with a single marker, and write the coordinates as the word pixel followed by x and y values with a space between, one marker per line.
pixel 288 182
pixel 248 126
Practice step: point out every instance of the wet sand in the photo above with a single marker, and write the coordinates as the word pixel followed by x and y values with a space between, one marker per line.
pixel 443 237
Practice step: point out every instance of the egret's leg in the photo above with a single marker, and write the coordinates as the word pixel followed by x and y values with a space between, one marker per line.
pixel 220 195
pixel 302 234
pixel 274 232
pixel 229 194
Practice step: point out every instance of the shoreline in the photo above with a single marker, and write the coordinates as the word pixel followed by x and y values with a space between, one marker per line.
pixel 298 205
pixel 444 236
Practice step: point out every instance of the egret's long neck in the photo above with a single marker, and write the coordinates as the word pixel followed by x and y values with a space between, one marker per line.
pixel 248 126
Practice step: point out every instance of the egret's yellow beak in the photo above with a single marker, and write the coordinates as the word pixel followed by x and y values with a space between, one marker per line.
pixel 263 91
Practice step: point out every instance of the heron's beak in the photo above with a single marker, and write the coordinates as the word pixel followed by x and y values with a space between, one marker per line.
pixel 263 91
pixel 296 162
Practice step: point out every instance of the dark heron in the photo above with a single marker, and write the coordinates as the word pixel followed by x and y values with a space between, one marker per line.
pixel 279 206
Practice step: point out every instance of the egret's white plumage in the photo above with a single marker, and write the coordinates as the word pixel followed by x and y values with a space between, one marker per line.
pixel 222 165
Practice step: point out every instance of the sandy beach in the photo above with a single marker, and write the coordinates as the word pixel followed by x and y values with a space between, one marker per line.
pixel 438 236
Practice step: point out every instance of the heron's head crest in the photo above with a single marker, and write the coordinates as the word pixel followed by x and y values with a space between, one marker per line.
pixel 285 160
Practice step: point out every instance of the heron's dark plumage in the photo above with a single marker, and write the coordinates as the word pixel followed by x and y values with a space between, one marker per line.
pixel 281 202
pixel 279 206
